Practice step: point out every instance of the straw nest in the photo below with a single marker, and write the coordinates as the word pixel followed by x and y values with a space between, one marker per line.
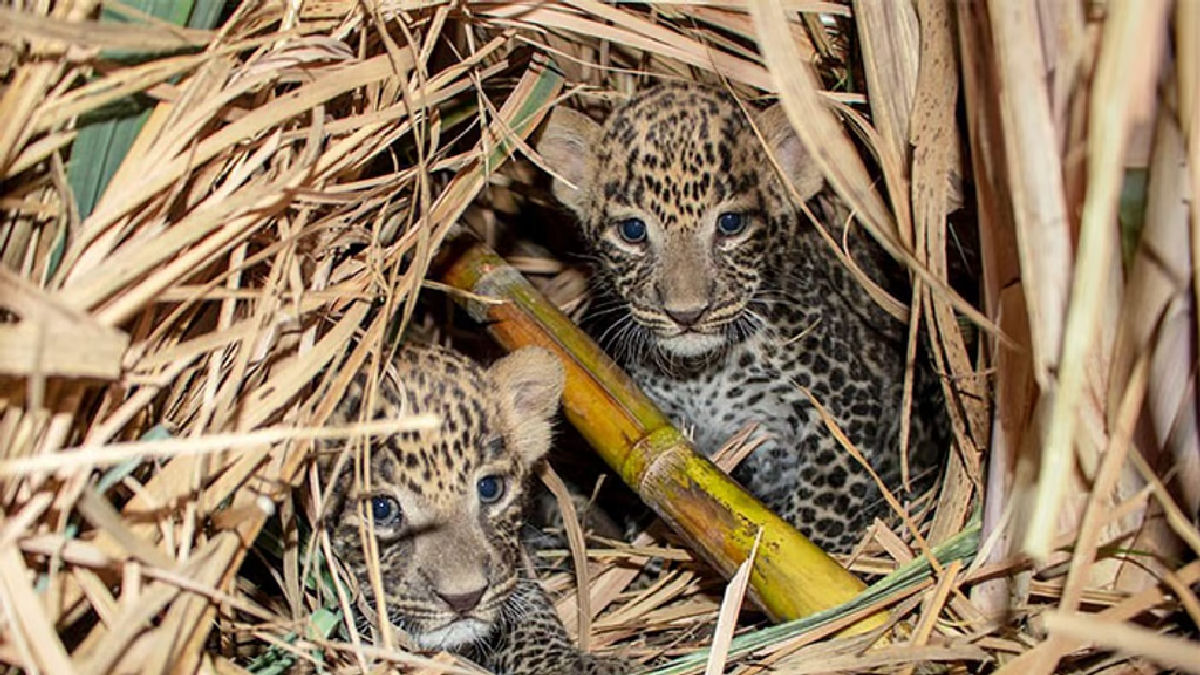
pixel 207 229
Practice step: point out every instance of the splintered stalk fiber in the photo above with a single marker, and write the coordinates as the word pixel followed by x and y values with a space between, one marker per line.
pixel 791 578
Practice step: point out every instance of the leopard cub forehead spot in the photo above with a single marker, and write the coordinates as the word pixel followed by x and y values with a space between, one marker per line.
pixel 676 152
pixel 442 461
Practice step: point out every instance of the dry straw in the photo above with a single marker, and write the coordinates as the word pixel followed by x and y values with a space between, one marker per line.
pixel 213 215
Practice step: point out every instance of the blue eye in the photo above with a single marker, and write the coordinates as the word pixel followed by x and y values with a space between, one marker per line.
pixel 490 488
pixel 730 224
pixel 632 230
pixel 385 511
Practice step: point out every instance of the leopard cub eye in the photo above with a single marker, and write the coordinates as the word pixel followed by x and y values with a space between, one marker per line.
pixel 632 230
pixel 731 224
pixel 490 489
pixel 385 511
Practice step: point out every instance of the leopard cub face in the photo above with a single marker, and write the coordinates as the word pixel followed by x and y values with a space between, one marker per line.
pixel 681 206
pixel 442 506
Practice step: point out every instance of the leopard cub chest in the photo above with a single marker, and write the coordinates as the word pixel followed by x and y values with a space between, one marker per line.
pixel 718 295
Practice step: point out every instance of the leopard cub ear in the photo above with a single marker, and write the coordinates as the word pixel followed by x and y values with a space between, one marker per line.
pixel 531 380
pixel 529 383
pixel 568 144
pixel 789 149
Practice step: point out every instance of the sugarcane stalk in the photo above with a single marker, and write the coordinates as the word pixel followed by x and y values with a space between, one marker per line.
pixel 791 578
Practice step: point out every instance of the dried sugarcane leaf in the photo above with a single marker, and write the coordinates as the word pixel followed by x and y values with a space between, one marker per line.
pixel 46 339
pixel 1121 63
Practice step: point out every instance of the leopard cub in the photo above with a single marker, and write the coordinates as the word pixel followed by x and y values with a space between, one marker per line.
pixel 443 508
pixel 718 295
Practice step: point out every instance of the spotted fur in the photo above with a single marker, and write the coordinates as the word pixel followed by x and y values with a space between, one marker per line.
pixel 725 326
pixel 444 506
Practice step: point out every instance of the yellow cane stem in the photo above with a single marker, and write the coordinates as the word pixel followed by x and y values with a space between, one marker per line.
pixel 792 578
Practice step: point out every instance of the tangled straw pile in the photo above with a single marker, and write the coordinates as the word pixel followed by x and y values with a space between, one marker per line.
pixel 207 230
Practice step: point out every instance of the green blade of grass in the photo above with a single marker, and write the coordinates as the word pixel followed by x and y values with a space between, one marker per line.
pixel 102 143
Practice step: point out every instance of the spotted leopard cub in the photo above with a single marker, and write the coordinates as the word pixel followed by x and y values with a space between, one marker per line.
pixel 443 508
pixel 720 298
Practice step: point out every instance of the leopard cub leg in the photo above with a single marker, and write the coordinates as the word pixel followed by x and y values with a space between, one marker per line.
pixel 533 641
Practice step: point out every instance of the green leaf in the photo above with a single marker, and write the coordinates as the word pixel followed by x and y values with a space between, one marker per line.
pixel 102 144
pixel 274 661
pixel 323 622
pixel 1132 214
pixel 118 473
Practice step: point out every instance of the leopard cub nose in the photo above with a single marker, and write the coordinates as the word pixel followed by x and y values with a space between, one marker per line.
pixel 462 602
pixel 686 317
